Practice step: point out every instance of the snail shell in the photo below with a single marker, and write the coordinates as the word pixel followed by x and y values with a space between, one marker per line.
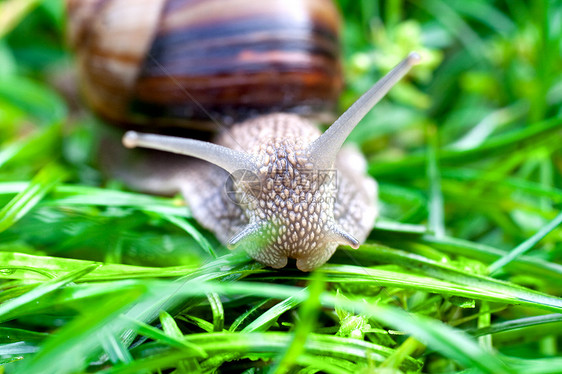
pixel 179 63
pixel 271 183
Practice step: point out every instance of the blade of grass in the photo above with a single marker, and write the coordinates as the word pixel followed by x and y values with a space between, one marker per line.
pixel 188 227
pixel 518 323
pixel 30 267
pixel 436 212
pixel 308 316
pixel 68 195
pixel 450 342
pixel 9 334
pixel 12 12
pixel 245 315
pixel 266 319
pixel 536 366
pixel 485 253
pixel 471 287
pixel 515 140
pixel 171 328
pixel 192 350
pixel 234 346
pixel 199 322
pixel 169 325
pixel 72 348
pixel 218 311
pixel 114 348
pixel 9 309
pixel 462 281
pixel 23 202
pixel 41 102
pixel 513 183
pixel 525 246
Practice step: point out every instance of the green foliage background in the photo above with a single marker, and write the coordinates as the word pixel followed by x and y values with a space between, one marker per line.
pixel 462 272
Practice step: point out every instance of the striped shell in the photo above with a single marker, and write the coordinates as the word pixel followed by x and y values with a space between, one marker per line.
pixel 181 62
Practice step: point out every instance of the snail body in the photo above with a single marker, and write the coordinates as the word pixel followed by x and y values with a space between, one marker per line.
pixel 270 183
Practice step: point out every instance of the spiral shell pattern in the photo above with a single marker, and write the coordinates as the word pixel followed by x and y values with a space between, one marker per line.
pixel 183 62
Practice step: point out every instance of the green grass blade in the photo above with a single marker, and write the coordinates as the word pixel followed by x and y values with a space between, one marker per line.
pixel 266 319
pixel 247 314
pixel 11 13
pixel 22 203
pixel 486 253
pixel 525 246
pixel 70 195
pixel 462 282
pixel 114 348
pixel 187 227
pixel 308 315
pixel 551 365
pixel 9 334
pixel 235 346
pixel 516 324
pixel 71 349
pixel 199 322
pixel 436 210
pixel 450 342
pixel 170 326
pixel 29 267
pixel 218 311
pixel 142 328
pixel 9 309
pixel 519 139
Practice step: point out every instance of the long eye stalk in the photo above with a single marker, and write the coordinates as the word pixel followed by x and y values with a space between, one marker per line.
pixel 324 149
pixel 226 158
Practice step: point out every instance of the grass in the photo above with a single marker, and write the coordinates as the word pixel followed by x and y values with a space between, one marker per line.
pixel 462 272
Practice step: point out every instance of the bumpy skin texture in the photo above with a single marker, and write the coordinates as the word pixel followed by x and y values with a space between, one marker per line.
pixel 294 205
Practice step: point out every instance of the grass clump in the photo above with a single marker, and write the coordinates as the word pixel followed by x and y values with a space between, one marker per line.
pixel 462 273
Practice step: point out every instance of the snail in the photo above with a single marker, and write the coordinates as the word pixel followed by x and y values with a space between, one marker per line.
pixel 270 181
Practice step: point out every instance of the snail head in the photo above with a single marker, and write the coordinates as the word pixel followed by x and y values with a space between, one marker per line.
pixel 287 186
